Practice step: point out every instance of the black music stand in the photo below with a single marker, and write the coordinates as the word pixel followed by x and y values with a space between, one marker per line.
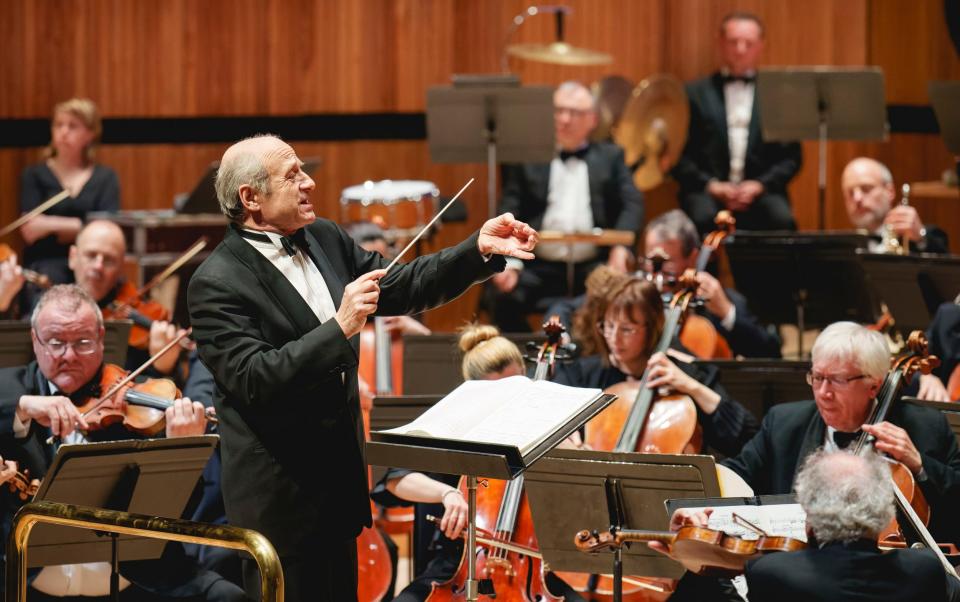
pixel 761 384
pixel 16 346
pixel 950 410
pixel 432 363
pixel 822 103
pixel 945 98
pixel 391 411
pixel 810 279
pixel 472 459
pixel 155 477
pixel 490 119
pixel 912 286
pixel 572 490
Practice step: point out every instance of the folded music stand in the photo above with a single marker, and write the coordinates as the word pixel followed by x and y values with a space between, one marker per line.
pixel 573 490
pixel 473 460
pixel 148 476
pixel 16 346
pixel 810 279
pixel 490 119
pixel 822 103
pixel 912 286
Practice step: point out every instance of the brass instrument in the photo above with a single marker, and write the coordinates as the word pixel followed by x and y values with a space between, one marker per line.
pixel 111 521
pixel 890 244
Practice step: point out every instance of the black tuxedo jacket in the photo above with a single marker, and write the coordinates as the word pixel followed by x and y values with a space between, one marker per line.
pixel 287 400
pixel 707 153
pixel 791 431
pixel 944 336
pixel 849 572
pixel 614 200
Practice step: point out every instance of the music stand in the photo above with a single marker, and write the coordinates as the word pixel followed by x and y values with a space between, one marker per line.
pixel 16 346
pixel 912 286
pixel 945 98
pixel 572 490
pixel 822 103
pixel 810 279
pixel 155 477
pixel 391 411
pixel 471 459
pixel 490 119
pixel 950 410
pixel 761 384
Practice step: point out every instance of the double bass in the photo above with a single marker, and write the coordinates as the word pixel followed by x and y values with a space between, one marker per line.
pixel 514 574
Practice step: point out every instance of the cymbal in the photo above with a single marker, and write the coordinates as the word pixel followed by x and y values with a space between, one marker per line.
pixel 653 129
pixel 612 94
pixel 559 53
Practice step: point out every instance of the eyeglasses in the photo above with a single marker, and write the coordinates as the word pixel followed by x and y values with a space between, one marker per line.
pixel 573 112
pixel 57 348
pixel 837 382
pixel 610 329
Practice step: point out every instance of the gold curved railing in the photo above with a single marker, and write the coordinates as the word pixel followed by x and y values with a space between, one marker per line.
pixel 111 521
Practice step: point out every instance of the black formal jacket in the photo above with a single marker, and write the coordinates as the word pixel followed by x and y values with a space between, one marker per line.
pixel 791 431
pixel 707 153
pixel 848 572
pixel 614 200
pixel 287 400
pixel 944 337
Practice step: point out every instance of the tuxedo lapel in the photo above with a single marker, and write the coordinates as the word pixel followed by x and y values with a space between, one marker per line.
pixel 284 296
pixel 753 132
pixel 595 179
pixel 320 259
pixel 718 104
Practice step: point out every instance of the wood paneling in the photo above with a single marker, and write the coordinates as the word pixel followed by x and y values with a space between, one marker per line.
pixel 256 57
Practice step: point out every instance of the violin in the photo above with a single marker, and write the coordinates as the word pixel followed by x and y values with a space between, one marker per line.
pixel 35 278
pixel 699 549
pixel 22 485
pixel 509 567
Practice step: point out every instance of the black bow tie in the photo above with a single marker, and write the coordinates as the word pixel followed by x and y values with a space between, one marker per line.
pixel 745 79
pixel 580 153
pixel 843 440
pixel 289 243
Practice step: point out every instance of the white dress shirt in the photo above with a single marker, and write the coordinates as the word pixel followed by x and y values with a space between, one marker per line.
pixel 568 210
pixel 738 97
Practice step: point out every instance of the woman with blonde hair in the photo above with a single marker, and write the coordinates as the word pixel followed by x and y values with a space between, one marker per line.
pixel 69 166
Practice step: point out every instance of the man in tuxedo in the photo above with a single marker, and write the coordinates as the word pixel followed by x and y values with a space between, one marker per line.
pixel 725 163
pixel 674 234
pixel 869 195
pixel 848 501
pixel 276 309
pixel 39 400
pixel 586 186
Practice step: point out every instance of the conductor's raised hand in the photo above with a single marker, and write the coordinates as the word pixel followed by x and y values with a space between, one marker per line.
pixel 504 235
pixel 360 299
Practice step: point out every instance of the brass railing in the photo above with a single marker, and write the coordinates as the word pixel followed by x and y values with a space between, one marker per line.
pixel 83 517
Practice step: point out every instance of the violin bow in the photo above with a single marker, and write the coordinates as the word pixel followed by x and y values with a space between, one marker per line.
pixel 176 265
pixel 26 217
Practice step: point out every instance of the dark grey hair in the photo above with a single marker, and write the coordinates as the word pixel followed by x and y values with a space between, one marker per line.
pixel 675 225
pixel 235 171
pixel 71 297
pixel 846 497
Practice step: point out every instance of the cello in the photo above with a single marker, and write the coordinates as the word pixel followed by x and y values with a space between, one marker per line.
pixel 503 517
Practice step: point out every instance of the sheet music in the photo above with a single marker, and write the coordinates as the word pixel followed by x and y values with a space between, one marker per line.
pixel 511 411
pixel 776 519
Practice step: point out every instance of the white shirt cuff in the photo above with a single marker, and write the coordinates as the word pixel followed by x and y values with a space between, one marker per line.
pixel 514 264
pixel 20 428
pixel 730 319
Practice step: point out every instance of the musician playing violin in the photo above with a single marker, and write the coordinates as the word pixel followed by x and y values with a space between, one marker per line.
pixel 849 363
pixel 11 281
pixel 96 260
pixel 674 234
pixel 622 321
pixel 39 400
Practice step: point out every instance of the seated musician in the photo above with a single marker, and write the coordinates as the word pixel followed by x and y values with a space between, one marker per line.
pixel 11 281
pixel 849 363
pixel 848 501
pixel 96 260
pixel 40 399
pixel 586 186
pixel 620 325
pixel 675 235
pixel 486 356
pixel 944 337
pixel 870 199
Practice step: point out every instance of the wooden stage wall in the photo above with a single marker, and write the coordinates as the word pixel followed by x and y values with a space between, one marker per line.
pixel 179 58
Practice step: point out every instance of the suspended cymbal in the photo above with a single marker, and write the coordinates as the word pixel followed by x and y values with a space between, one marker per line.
pixel 612 94
pixel 559 53
pixel 653 129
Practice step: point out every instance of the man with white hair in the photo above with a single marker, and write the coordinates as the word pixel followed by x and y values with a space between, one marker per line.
pixel 868 195
pixel 848 500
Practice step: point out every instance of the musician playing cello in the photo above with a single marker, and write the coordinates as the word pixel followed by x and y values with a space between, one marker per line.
pixel 39 400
